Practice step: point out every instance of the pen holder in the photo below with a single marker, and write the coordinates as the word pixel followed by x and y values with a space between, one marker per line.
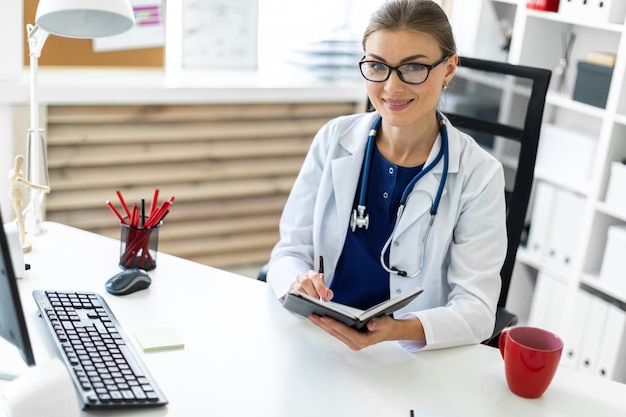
pixel 138 246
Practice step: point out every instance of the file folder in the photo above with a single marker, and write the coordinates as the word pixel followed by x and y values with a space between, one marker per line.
pixel 594 330
pixel 612 352
pixel 538 232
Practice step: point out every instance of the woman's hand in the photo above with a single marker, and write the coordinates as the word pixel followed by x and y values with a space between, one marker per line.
pixel 379 329
pixel 312 283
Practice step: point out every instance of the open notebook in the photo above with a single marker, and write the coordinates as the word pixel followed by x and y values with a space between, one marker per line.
pixel 306 305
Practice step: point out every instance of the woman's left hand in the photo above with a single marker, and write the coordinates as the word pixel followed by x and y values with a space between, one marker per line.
pixel 378 329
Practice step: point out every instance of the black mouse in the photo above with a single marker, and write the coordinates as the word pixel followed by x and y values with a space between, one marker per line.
pixel 128 281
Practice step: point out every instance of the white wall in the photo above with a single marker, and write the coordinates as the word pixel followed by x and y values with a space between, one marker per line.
pixel 10 71
pixel 283 25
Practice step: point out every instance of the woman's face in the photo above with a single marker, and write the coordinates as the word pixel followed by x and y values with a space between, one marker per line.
pixel 399 103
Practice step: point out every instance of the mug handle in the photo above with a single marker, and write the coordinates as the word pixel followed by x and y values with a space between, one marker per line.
pixel 502 341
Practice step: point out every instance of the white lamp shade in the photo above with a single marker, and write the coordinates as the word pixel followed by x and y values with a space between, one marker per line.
pixel 85 18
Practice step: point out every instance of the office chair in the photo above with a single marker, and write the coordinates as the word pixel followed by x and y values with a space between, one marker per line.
pixel 501 105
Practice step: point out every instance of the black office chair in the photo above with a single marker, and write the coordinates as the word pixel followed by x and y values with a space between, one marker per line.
pixel 501 105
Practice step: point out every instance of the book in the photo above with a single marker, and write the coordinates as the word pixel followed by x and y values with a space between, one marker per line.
pixel 606 59
pixel 306 305
pixel 159 338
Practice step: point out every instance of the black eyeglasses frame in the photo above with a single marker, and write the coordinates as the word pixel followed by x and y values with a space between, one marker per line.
pixel 429 68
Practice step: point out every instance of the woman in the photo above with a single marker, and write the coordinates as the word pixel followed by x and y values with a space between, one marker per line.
pixel 371 255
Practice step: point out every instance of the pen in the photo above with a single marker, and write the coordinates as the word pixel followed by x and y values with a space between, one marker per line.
pixel 320 270
pixel 155 201
pixel 143 212
pixel 114 210
pixel 124 205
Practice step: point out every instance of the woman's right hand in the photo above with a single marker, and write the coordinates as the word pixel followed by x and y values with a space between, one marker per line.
pixel 312 283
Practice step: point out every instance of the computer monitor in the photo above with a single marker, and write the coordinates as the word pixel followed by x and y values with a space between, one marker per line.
pixel 12 322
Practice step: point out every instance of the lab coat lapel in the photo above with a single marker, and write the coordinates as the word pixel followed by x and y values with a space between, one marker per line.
pixel 346 172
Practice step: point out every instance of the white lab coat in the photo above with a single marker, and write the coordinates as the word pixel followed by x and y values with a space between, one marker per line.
pixel 465 249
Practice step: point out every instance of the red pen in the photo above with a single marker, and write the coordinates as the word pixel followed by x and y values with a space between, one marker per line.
pixel 124 205
pixel 117 213
pixel 155 201
pixel 160 212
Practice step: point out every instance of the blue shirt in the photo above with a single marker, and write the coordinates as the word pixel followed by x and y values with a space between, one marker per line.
pixel 360 280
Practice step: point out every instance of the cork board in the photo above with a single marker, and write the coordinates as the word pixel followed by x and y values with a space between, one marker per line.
pixel 61 51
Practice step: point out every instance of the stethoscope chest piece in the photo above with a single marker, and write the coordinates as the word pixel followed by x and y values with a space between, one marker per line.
pixel 359 218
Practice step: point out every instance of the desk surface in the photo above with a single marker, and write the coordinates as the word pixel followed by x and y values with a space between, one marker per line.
pixel 245 355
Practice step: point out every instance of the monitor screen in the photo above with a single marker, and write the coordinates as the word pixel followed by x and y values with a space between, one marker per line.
pixel 12 322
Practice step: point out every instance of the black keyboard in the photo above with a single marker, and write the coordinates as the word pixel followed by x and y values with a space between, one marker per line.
pixel 104 366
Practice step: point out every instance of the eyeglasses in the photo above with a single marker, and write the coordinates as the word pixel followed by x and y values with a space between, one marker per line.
pixel 410 73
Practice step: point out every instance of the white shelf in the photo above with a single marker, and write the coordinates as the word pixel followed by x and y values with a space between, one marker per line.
pixel 594 282
pixel 577 21
pixel 578 187
pixel 566 102
pixel 527 258
pixel 620 119
pixel 609 210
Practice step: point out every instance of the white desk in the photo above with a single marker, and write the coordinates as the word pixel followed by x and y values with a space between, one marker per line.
pixel 247 356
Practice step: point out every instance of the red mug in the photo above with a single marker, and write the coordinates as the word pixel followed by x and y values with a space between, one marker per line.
pixel 531 357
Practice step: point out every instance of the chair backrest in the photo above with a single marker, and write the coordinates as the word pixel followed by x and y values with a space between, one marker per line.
pixel 501 105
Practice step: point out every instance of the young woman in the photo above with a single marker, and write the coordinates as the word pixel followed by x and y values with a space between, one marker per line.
pixel 399 198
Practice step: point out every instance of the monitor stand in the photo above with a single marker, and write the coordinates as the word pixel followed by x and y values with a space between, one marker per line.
pixel 41 390
pixel 12 364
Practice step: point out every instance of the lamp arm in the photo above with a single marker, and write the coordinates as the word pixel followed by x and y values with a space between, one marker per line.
pixel 36 39
pixel 37 165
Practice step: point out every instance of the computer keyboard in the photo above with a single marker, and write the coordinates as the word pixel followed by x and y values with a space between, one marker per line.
pixel 106 370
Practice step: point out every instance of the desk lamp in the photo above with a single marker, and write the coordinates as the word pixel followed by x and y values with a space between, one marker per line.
pixel 72 19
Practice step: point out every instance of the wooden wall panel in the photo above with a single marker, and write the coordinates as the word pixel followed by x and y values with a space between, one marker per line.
pixel 229 166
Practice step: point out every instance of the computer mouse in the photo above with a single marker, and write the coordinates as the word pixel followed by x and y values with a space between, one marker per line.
pixel 128 281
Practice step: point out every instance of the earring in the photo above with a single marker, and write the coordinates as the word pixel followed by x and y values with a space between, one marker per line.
pixel 445 86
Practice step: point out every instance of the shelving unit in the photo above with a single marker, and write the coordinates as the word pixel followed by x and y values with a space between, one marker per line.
pixel 568 235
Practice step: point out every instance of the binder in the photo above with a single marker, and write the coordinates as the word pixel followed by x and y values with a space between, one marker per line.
pixel 538 232
pixel 566 154
pixel 612 352
pixel 541 299
pixel 606 11
pixel 572 8
pixel 572 341
pixel 547 305
pixel 594 330
pixel 567 214
pixel 615 196
pixel 613 261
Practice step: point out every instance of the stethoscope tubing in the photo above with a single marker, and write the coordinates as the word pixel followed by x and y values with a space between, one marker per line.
pixel 362 210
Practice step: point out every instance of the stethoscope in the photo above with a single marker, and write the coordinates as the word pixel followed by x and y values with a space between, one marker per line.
pixel 360 219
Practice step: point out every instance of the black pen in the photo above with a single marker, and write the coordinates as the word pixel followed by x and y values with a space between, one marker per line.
pixel 320 270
